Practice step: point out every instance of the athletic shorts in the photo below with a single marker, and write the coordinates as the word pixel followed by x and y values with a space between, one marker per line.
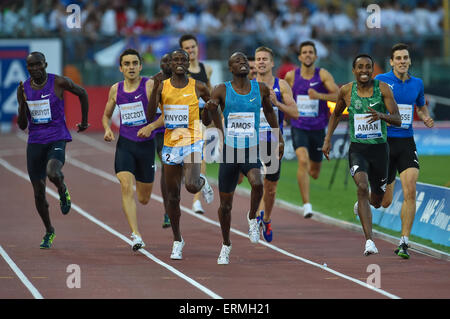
pixel 137 158
pixel 372 159
pixel 175 155
pixel 272 173
pixel 38 156
pixel 231 167
pixel 402 155
pixel 312 140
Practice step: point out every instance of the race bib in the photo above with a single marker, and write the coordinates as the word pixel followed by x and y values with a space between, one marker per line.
pixel 364 130
pixel 264 126
pixel 406 114
pixel 132 114
pixel 307 107
pixel 40 111
pixel 176 116
pixel 241 124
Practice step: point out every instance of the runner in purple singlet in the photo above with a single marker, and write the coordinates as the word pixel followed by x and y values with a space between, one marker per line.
pixel 311 88
pixel 41 109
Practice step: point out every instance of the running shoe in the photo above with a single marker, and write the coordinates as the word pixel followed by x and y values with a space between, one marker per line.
pixel 207 191
pixel 138 243
pixel 64 201
pixel 266 227
pixel 307 210
pixel 370 248
pixel 402 251
pixel 253 229
pixel 224 257
pixel 197 207
pixel 166 222
pixel 47 241
pixel 177 249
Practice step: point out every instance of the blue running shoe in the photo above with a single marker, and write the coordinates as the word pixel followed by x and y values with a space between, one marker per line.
pixel 65 202
pixel 266 227
pixel 47 241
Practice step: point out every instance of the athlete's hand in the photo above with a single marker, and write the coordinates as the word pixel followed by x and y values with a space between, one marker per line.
pixel 21 97
pixel 273 97
pixel 428 121
pixel 281 147
pixel 109 135
pixel 82 127
pixel 146 131
pixel 313 95
pixel 374 116
pixel 326 148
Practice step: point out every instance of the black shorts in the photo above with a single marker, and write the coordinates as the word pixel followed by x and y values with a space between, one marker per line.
pixel 159 142
pixel 38 156
pixel 372 159
pixel 312 140
pixel 272 172
pixel 402 155
pixel 137 158
pixel 232 166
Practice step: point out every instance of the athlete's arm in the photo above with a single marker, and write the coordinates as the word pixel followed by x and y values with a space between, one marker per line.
pixel 289 78
pixel 147 130
pixel 67 84
pixel 203 91
pixel 424 115
pixel 107 114
pixel 393 117
pixel 330 85
pixel 335 117
pixel 154 100
pixel 209 72
pixel 22 120
pixel 217 99
pixel 270 115
pixel 289 107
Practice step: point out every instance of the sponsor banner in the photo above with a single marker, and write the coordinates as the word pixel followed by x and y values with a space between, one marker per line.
pixel 432 213
pixel 13 54
pixel 432 141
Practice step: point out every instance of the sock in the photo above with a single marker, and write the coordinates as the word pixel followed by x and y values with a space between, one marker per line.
pixel 404 239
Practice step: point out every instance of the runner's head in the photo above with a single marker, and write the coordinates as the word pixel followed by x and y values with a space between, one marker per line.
pixel 307 53
pixel 189 43
pixel 400 59
pixel 251 62
pixel 130 64
pixel 264 60
pixel 179 62
pixel 363 68
pixel 238 64
pixel 165 64
pixel 36 66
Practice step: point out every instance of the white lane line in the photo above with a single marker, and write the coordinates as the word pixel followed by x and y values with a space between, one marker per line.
pixel 112 178
pixel 20 274
pixel 85 214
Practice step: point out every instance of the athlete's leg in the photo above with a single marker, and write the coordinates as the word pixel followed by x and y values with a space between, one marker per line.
pixel 365 214
pixel 256 182
pixel 55 175
pixel 270 191
pixel 126 180
pixel 143 192
pixel 224 212
pixel 314 169
pixel 173 175
pixel 388 195
pixel 41 204
pixel 203 171
pixel 192 171
pixel 303 172
pixel 408 178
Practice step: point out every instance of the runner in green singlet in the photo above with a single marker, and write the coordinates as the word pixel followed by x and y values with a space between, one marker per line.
pixel 369 102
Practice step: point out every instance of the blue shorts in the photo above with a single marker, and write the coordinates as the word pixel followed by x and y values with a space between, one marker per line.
pixel 176 155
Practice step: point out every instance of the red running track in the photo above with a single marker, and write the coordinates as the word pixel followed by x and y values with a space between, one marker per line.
pixel 95 237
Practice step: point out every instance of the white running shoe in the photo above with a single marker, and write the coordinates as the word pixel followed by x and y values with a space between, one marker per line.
pixel 370 248
pixel 224 257
pixel 307 210
pixel 253 229
pixel 207 191
pixel 355 208
pixel 138 243
pixel 177 249
pixel 197 207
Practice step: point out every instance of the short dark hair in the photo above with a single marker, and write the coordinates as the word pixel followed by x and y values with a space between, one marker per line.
pixel 398 47
pixel 306 43
pixel 39 54
pixel 186 37
pixel 362 55
pixel 130 52
pixel 179 51
pixel 251 58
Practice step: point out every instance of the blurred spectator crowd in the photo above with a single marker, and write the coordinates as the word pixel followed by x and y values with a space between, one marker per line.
pixel 284 22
